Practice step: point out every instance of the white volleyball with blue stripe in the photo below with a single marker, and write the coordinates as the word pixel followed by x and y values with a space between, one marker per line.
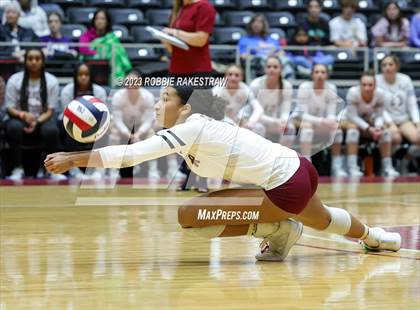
pixel 86 119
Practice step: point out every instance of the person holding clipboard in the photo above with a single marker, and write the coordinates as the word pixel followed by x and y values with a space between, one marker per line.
pixel 192 22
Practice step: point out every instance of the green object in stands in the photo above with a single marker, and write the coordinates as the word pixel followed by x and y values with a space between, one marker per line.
pixel 104 47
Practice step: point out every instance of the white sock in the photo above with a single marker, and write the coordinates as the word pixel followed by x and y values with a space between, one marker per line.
pixel 369 238
pixel 153 165
pixel 172 163
pixel 265 229
pixel 386 162
pixel 336 161
pixel 352 161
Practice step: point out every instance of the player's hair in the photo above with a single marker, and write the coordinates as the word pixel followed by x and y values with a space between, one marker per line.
pixel 108 20
pixel 60 18
pixel 317 1
pixel 369 73
pixel 399 19
pixel 24 88
pixel 395 59
pixel 76 83
pixel 349 3
pixel 176 7
pixel 202 101
pixel 264 30
pixel 319 64
pixel 280 77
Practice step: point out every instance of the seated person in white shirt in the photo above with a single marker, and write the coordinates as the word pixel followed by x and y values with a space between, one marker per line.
pixel 366 115
pixel 275 96
pixel 347 30
pixel 320 123
pixel 243 108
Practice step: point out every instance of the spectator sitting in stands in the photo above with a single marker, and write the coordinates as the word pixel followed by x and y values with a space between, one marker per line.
pixel 11 32
pixel 366 116
pixel 415 30
pixel 304 59
pixel 402 108
pixel 31 97
pixel 347 30
pixel 2 91
pixel 317 100
pixel 242 108
pixel 103 41
pixel 58 46
pixel 259 44
pixel 392 30
pixel 34 17
pixel 315 26
pixel 133 120
pixel 82 85
pixel 275 95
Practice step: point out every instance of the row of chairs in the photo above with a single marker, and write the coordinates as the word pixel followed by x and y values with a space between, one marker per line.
pixel 129 17
pixel 292 5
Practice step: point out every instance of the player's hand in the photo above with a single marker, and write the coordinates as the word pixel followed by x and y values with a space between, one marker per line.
pixel 376 133
pixel 134 138
pixel 30 128
pixel 281 126
pixel 170 31
pixel 29 118
pixel 330 124
pixel 58 162
pixel 248 125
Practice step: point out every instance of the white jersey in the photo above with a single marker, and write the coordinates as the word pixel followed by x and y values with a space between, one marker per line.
pixel 212 148
pixel 275 102
pixel 403 104
pixel 241 104
pixel 316 106
pixel 363 113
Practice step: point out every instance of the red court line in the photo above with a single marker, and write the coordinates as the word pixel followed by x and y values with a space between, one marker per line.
pixel 356 252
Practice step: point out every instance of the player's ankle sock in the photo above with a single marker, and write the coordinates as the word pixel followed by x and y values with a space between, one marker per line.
pixel 352 161
pixel 386 162
pixel 264 229
pixel 369 239
pixel 336 161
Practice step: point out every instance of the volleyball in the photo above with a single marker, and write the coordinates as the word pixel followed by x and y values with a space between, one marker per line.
pixel 86 119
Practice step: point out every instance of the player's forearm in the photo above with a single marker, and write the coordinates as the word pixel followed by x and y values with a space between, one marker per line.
pixel 86 159
pixel 197 39
pixel 45 116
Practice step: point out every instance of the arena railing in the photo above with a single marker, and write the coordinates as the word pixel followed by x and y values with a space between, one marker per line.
pixel 380 52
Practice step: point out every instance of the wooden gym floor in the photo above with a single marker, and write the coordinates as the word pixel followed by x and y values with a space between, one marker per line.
pixel 65 247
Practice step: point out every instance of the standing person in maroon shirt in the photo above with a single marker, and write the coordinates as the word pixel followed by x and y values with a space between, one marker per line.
pixel 192 21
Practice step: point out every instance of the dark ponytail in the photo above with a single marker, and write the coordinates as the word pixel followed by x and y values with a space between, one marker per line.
pixel 25 83
pixel 202 101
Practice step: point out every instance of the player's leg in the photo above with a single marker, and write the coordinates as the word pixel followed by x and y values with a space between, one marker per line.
pixel 306 135
pixel 385 147
pixel 410 132
pixel 352 143
pixel 288 136
pixel 337 163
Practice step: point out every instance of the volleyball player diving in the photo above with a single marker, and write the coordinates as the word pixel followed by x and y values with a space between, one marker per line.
pixel 285 183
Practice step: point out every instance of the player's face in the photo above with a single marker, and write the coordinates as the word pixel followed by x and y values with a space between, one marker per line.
pixel 273 68
pixel 319 73
pixel 100 21
pixel 257 25
pixel 54 23
pixel 34 61
pixel 314 9
pixel 168 108
pixel 83 76
pixel 234 76
pixel 12 16
pixel 392 11
pixel 388 66
pixel 367 85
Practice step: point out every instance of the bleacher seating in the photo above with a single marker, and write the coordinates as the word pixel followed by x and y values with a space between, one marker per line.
pixel 107 3
pixel 228 35
pixel 122 33
pixel 289 5
pixel 237 18
pixel 281 19
pixel 140 35
pixel 127 17
pixel 144 4
pixel 73 31
pixel 49 8
pixel 81 15
pixel 254 4
pixel 158 16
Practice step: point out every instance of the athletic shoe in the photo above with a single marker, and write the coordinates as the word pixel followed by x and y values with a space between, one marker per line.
pixel 76 173
pixel 355 172
pixel 276 247
pixel 339 172
pixel 390 172
pixel 153 174
pixel 390 241
pixel 16 175
pixel 56 177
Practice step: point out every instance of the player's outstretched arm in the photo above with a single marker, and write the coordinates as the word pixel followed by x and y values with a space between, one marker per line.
pixel 62 162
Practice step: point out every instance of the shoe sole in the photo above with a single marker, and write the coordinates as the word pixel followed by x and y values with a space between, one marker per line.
pixel 290 243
